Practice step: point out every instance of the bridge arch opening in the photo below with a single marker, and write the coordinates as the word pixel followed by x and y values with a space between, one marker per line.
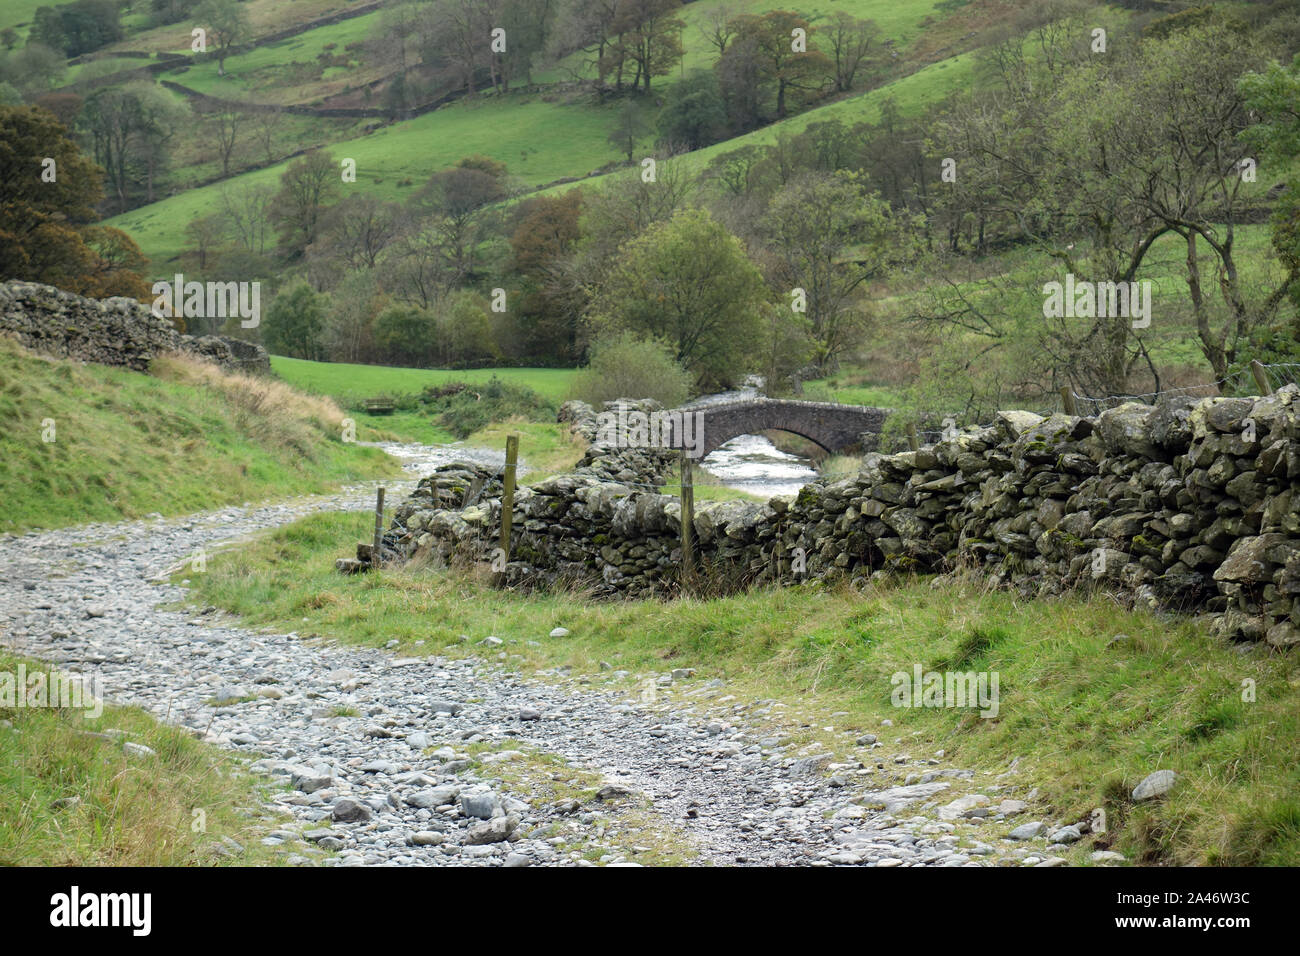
pixel 828 428
pixel 804 446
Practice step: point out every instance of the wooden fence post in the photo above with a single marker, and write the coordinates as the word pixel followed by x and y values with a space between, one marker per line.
pixel 1068 403
pixel 508 498
pixel 1261 377
pixel 688 519
pixel 913 441
pixel 379 531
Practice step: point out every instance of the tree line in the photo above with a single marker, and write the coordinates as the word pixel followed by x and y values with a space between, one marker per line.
pixel 789 257
pixel 774 255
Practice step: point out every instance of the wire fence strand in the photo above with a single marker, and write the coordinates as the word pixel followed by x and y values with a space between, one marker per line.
pixel 1239 382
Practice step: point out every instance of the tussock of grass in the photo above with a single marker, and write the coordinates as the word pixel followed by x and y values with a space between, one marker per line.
pixel 71 798
pixel 265 409
pixel 187 438
pixel 1088 717
pixel 840 466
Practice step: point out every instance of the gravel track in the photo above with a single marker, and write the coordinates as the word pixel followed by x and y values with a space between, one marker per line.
pixel 404 761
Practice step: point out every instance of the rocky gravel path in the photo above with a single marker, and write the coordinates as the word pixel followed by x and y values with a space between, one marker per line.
pixel 438 761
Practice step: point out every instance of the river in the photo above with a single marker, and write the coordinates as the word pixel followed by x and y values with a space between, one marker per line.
pixel 751 463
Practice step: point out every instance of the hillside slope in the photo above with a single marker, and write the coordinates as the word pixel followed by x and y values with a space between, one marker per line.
pixel 85 443
pixel 544 136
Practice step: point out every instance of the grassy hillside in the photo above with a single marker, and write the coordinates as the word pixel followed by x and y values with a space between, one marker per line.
pixel 1087 712
pixel 14 13
pixel 539 140
pixel 541 137
pixel 183 439
pixel 349 383
pixel 264 17
pixel 910 93
pixel 264 72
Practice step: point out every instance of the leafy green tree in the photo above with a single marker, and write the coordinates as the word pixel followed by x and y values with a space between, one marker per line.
pixel 34 69
pixel 295 321
pixel 406 335
pixel 1274 96
pixel 693 116
pixel 80 27
pixel 169 11
pixel 464 332
pixel 617 213
pixel 688 282
pixel 630 127
pixel 787 346
pixel 226 23
pixel 828 234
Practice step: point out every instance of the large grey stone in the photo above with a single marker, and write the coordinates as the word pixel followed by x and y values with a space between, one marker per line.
pixel 1155 785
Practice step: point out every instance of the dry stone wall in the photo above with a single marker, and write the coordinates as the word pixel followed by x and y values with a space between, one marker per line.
pixel 114 331
pixel 1188 505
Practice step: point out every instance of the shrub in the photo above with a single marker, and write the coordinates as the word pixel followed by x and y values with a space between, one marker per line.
pixel 464 409
pixel 294 322
pixel 626 365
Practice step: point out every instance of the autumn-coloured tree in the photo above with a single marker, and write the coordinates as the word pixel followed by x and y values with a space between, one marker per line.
pixel 65 106
pixel 48 194
pixel 116 267
pixel 550 307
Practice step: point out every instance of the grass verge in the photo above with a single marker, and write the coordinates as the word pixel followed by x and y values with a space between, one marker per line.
pixel 85 443
pixel 72 793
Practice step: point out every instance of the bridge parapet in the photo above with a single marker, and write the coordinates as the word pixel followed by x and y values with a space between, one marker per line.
pixel 831 427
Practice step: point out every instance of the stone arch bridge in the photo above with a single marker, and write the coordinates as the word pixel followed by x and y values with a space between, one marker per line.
pixel 831 427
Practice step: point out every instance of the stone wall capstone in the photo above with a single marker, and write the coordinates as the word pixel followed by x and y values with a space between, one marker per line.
pixel 1188 505
pixel 114 331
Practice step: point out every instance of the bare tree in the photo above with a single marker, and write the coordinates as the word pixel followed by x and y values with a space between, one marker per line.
pixel 247 211
pixel 851 42
pixel 226 120
pixel 265 124
pixel 718 27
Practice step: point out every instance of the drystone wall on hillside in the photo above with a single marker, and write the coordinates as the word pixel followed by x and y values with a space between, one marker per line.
pixel 115 331
pixel 1189 505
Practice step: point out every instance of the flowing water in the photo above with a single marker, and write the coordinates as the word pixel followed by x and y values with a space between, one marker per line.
pixel 751 463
